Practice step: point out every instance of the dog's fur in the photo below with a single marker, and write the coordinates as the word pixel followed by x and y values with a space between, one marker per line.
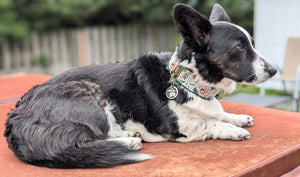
pixel 97 116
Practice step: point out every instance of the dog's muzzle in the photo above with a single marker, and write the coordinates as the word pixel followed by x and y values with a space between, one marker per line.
pixel 271 70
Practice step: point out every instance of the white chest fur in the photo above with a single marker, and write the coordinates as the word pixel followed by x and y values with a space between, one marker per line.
pixel 201 119
pixel 195 117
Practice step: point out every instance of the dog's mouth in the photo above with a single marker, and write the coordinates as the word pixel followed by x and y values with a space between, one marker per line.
pixel 251 78
pixel 262 72
pixel 258 79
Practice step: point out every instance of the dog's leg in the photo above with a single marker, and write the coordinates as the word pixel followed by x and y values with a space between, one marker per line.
pixel 222 130
pixel 134 143
pixel 241 120
pixel 215 110
pixel 203 129
pixel 115 130
pixel 207 119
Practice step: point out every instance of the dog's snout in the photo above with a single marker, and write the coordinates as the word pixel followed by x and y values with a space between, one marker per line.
pixel 271 70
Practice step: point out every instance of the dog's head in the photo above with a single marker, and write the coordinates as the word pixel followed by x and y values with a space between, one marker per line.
pixel 221 48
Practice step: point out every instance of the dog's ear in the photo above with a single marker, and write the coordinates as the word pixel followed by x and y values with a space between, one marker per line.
pixel 193 26
pixel 218 14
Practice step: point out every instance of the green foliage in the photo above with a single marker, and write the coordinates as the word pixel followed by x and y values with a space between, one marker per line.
pixel 19 16
pixel 155 11
pixel 251 89
pixel 10 25
pixel 276 92
pixel 239 11
pixel 42 61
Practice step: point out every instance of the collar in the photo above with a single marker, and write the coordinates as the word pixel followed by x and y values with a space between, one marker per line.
pixel 189 80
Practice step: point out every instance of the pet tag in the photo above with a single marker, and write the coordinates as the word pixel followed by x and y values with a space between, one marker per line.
pixel 172 92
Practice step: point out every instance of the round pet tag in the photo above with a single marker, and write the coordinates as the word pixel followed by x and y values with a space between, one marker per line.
pixel 171 92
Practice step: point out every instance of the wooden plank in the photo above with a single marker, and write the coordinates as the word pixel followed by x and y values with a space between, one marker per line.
pixel 127 42
pixel 149 38
pixel 16 56
pixel 6 56
pixel 73 48
pixel 112 45
pixel 35 45
pixel 63 49
pixel 135 40
pixel 120 44
pixel 82 47
pixel 45 44
pixel 55 52
pixel 104 46
pixel 26 55
pixel 88 42
pixel 95 45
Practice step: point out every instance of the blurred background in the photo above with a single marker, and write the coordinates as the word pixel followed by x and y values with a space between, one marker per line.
pixel 51 36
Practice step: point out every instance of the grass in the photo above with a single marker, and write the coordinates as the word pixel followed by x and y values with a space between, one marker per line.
pixel 251 89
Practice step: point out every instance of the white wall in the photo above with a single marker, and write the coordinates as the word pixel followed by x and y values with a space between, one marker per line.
pixel 274 22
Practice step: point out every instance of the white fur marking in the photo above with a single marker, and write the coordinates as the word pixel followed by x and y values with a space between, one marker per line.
pixel 138 156
pixel 115 129
pixel 249 39
pixel 140 128
pixel 191 65
pixel 192 117
pixel 259 68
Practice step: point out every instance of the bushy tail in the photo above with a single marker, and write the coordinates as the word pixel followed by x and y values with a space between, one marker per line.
pixel 97 154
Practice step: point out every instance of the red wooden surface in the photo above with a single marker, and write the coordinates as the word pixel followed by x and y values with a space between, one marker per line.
pixel 274 147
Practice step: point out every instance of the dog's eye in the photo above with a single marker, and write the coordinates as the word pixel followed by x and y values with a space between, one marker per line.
pixel 240 47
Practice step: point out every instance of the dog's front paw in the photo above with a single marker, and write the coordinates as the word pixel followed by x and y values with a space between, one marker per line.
pixel 232 132
pixel 241 120
pixel 239 134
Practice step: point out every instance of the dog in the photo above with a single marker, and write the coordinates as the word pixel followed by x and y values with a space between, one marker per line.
pixel 97 116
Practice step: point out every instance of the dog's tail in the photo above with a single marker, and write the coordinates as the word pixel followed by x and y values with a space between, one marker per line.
pixel 96 154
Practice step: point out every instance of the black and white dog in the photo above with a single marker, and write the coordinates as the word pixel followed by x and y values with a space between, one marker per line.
pixel 97 116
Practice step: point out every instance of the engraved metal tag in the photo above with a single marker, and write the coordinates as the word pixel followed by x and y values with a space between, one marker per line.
pixel 172 92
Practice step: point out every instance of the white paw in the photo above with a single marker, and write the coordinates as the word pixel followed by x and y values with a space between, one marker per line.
pixel 241 120
pixel 244 121
pixel 239 134
pixel 136 143
pixel 232 132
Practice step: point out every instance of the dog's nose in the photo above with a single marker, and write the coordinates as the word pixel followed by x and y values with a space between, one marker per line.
pixel 272 71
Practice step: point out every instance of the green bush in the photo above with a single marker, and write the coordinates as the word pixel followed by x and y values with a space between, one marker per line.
pixel 20 16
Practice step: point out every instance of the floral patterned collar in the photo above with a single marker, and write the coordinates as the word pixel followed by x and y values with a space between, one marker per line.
pixel 188 80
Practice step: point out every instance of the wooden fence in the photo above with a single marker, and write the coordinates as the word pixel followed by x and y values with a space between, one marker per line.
pixel 56 51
